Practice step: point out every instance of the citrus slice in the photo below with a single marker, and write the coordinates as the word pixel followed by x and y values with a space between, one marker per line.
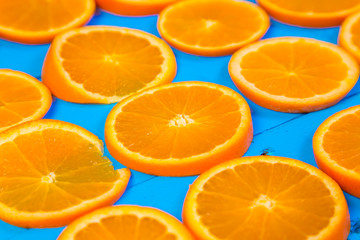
pixel 179 129
pixel 337 148
pixel 212 27
pixel 310 13
pixel 101 64
pixel 349 36
pixel 126 222
pixel 293 74
pixel 134 8
pixel 38 21
pixel 22 98
pixel 266 198
pixel 52 172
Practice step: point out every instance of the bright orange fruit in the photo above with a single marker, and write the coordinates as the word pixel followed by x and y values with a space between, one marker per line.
pixel 52 172
pixel 311 13
pixel 349 37
pixel 38 21
pixel 266 198
pixel 337 148
pixel 101 64
pixel 128 223
pixel 179 129
pixel 22 98
pixel 212 27
pixel 293 74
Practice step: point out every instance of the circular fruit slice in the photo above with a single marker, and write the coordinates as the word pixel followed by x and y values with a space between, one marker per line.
pixel 52 172
pixel 266 198
pixel 126 222
pixel 134 8
pixel 179 129
pixel 337 149
pixel 22 98
pixel 310 13
pixel 293 74
pixel 39 21
pixel 212 27
pixel 349 36
pixel 106 64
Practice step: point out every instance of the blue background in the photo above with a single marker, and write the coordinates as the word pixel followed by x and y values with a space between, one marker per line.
pixel 275 133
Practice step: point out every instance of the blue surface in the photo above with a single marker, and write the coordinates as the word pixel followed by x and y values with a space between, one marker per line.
pixel 277 133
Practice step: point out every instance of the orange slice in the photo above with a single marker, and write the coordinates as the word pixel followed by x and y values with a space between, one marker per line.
pixel 106 64
pixel 337 149
pixel 310 13
pixel 22 98
pixel 212 27
pixel 266 198
pixel 179 129
pixel 134 8
pixel 349 37
pixel 39 21
pixel 293 74
pixel 52 172
pixel 126 222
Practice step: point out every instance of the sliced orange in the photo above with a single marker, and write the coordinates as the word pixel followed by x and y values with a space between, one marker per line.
pixel 134 8
pixel 128 223
pixel 337 148
pixel 266 198
pixel 179 129
pixel 349 37
pixel 293 74
pixel 52 172
pixel 212 27
pixel 22 98
pixel 106 64
pixel 39 21
pixel 311 13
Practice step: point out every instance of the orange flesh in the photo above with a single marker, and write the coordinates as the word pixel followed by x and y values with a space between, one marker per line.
pixel 177 122
pixel 111 63
pixel 355 33
pixel 264 201
pixel 51 170
pixel 295 70
pixel 342 139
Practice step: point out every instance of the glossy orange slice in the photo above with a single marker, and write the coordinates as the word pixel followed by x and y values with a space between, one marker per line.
pixel 349 37
pixel 266 198
pixel 52 172
pixel 179 129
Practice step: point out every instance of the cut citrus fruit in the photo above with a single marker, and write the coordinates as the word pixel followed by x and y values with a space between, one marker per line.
pixel 39 21
pixel 134 8
pixel 349 36
pixel 105 64
pixel 52 172
pixel 212 27
pixel 22 98
pixel 126 222
pixel 179 129
pixel 293 74
pixel 337 149
pixel 310 13
pixel 266 198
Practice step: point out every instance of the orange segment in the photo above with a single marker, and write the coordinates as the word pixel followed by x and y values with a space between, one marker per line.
pixel 266 198
pixel 126 222
pixel 52 172
pixel 179 129
pixel 349 36
pixel 22 98
pixel 293 74
pixel 106 64
pixel 310 13
pixel 336 148
pixel 38 21
pixel 212 27
pixel 134 8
